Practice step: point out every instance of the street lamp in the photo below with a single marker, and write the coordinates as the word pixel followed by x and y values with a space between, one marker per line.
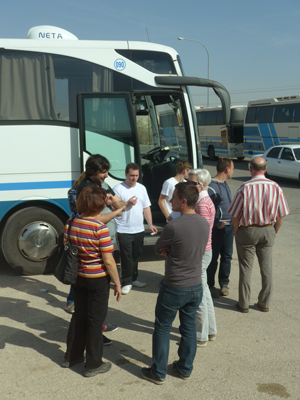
pixel 193 40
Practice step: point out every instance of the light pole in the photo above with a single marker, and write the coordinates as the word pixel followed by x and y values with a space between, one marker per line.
pixel 193 40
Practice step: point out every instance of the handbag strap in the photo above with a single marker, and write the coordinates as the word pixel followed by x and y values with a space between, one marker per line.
pixel 70 225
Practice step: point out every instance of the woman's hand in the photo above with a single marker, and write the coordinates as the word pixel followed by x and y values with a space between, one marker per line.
pixel 117 292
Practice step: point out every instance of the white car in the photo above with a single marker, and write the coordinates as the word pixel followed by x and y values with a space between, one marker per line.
pixel 283 161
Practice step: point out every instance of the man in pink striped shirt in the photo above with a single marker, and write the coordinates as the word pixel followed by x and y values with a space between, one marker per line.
pixel 257 210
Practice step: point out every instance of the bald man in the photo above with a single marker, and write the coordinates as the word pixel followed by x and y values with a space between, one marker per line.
pixel 257 211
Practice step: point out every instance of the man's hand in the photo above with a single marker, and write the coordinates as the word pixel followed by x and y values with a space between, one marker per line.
pixel 132 201
pixel 221 226
pixel 165 251
pixel 153 229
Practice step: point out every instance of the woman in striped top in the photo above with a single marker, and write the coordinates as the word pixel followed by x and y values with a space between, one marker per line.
pixel 205 316
pixel 96 267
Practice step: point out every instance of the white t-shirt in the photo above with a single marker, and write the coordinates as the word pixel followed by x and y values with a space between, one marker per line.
pixel 167 190
pixel 132 220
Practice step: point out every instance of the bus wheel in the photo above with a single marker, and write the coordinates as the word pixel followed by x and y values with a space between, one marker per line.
pixel 211 153
pixel 30 240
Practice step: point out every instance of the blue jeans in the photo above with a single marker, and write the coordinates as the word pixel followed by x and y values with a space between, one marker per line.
pixel 222 245
pixel 169 301
pixel 70 298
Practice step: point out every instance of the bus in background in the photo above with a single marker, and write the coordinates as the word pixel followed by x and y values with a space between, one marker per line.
pixel 270 122
pixel 218 139
pixel 62 99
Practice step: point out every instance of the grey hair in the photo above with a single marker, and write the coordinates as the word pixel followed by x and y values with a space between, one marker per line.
pixel 203 176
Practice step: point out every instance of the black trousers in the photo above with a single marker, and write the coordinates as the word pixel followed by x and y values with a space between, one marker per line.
pixel 131 248
pixel 85 330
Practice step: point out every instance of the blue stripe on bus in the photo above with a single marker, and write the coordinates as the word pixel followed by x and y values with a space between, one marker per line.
pixel 36 185
pixel 266 136
pixel 274 134
pixel 285 140
pixel 6 206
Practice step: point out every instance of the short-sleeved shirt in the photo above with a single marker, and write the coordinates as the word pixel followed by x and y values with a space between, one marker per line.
pixel 91 238
pixel 111 224
pixel 185 238
pixel 205 207
pixel 132 219
pixel 258 202
pixel 168 190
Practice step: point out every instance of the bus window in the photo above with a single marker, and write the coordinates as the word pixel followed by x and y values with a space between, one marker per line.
pixel 284 113
pixel 264 114
pixel 107 125
pixel 201 118
pixel 211 118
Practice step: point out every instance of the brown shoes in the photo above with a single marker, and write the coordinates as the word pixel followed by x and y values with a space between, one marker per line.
pixel 242 310
pixel 263 309
pixel 224 291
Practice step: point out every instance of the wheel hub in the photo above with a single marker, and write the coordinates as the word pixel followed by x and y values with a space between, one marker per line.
pixel 38 241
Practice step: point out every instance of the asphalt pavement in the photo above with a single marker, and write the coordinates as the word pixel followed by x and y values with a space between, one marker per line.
pixel 255 355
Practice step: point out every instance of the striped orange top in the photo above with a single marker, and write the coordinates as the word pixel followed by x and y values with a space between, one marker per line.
pixel 91 238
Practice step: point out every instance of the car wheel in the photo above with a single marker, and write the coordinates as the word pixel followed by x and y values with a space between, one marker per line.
pixel 31 239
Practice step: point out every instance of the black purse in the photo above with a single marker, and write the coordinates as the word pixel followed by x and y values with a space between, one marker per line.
pixel 66 269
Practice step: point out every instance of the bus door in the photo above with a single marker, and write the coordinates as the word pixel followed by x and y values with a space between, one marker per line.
pixel 107 127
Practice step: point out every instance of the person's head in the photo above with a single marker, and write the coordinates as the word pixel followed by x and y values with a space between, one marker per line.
pixel 91 200
pixel 258 166
pixel 183 167
pixel 225 166
pixel 79 180
pixel 200 177
pixel 132 173
pixel 97 167
pixel 184 196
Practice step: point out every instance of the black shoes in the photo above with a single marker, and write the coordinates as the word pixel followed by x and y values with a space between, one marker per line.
pixel 105 367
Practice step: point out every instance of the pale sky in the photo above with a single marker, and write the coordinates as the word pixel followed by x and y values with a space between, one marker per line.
pixel 253 46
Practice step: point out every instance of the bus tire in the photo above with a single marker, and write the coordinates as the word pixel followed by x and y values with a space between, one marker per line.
pixel 211 153
pixel 30 240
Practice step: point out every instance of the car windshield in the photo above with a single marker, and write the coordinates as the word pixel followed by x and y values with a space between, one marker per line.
pixel 297 153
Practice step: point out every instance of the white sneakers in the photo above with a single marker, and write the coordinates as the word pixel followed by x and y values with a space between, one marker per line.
pixel 126 289
pixel 138 284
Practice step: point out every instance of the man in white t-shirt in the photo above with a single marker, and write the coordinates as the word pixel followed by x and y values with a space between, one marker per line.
pixel 130 226
pixel 182 170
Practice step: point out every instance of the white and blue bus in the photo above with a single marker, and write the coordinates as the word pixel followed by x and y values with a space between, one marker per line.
pixel 270 122
pixel 62 99
pixel 218 139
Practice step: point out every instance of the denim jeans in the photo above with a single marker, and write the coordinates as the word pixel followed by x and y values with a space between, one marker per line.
pixel 205 315
pixel 170 300
pixel 222 245
pixel 70 298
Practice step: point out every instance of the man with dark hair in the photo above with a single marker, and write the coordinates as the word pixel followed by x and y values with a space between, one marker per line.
pixel 257 210
pixel 182 169
pixel 130 226
pixel 97 168
pixel 183 242
pixel 222 233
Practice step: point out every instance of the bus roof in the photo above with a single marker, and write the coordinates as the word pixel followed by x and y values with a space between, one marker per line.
pixel 274 100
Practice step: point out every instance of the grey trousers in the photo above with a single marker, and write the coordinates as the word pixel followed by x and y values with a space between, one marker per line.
pixel 251 241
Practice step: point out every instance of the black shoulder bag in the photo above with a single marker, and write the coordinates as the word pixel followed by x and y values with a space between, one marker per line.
pixel 66 269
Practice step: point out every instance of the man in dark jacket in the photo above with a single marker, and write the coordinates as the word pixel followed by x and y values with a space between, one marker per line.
pixel 222 233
